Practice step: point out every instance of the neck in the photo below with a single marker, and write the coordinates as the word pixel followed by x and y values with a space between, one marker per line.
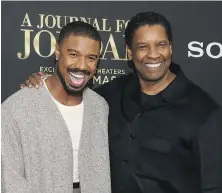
pixel 58 92
pixel 153 88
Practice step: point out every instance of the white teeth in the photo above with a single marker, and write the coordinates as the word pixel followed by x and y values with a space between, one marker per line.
pixel 77 75
pixel 153 65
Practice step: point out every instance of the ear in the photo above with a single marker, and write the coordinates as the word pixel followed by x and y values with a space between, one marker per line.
pixel 129 53
pixel 171 49
pixel 57 52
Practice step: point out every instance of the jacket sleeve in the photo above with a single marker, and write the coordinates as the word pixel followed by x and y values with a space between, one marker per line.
pixel 209 148
pixel 13 172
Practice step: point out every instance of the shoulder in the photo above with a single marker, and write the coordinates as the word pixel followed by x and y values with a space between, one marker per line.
pixel 96 99
pixel 22 100
pixel 20 96
pixel 200 97
pixel 198 104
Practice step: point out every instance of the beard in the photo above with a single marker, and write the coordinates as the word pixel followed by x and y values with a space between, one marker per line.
pixel 69 89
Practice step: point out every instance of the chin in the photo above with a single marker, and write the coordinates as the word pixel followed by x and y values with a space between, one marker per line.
pixel 75 91
pixel 152 78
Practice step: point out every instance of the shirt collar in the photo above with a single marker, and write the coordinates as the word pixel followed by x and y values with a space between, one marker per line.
pixel 131 101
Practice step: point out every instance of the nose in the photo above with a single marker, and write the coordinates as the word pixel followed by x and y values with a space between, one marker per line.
pixel 153 53
pixel 82 63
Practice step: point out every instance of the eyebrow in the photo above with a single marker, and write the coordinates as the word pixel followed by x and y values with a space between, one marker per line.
pixel 139 43
pixel 142 43
pixel 72 50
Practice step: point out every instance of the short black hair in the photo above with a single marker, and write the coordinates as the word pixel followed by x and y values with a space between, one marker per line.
pixel 146 18
pixel 79 28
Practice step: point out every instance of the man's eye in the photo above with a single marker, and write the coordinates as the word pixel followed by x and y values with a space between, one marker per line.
pixel 73 55
pixel 162 44
pixel 92 58
pixel 142 47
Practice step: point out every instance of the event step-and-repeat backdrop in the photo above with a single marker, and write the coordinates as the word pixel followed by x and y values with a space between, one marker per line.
pixel 30 30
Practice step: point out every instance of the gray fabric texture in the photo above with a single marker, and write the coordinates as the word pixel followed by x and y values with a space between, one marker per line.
pixel 37 154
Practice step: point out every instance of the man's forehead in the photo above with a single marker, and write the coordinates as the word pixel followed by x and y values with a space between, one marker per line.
pixel 151 31
pixel 78 37
pixel 153 27
pixel 80 44
pixel 75 40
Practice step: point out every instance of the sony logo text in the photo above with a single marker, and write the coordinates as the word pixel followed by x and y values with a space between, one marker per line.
pixel 198 49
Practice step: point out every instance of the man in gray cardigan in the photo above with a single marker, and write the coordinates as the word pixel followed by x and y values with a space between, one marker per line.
pixel 57 135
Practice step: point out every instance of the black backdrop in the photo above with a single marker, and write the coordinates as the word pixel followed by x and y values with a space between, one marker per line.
pixel 30 29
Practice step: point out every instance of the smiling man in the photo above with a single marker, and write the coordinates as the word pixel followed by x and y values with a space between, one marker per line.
pixel 55 139
pixel 164 131
pixel 159 121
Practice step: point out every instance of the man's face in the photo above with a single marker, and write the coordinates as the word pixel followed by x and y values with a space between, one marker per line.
pixel 151 53
pixel 77 61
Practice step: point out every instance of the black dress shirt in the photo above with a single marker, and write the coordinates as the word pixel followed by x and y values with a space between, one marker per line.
pixel 158 144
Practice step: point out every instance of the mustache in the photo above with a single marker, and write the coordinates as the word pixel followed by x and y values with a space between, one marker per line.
pixel 86 72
